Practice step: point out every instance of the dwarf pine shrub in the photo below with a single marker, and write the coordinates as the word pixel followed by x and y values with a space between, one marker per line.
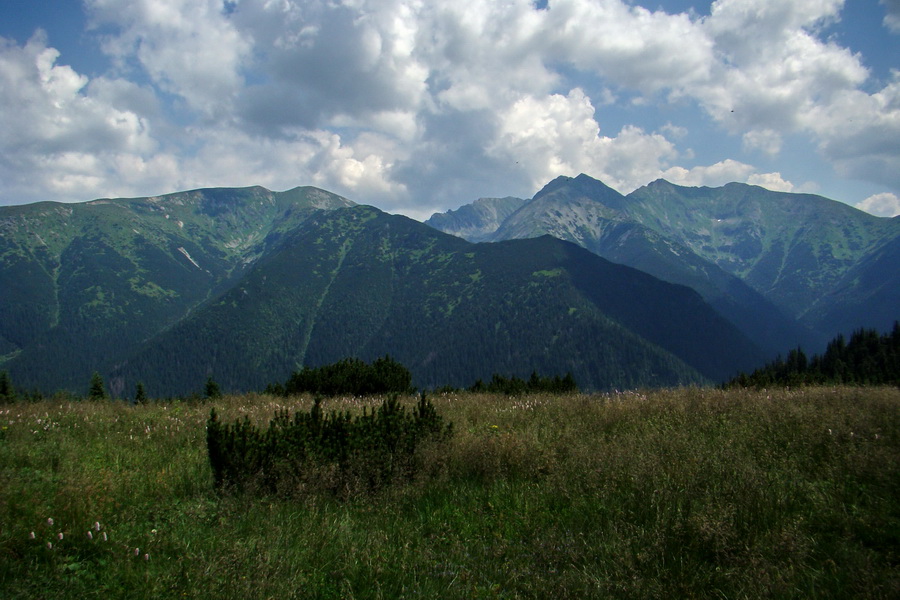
pixel 367 450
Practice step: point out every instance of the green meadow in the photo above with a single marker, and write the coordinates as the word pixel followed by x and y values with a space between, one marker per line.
pixel 694 492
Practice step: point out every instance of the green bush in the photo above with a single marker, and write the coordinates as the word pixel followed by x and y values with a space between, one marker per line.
pixel 331 450
pixel 349 376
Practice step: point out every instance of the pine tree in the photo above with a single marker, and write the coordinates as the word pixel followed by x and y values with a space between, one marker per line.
pixel 6 389
pixel 97 391
pixel 212 390
pixel 140 396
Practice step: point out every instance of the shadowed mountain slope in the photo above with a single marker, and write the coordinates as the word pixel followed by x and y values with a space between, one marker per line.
pixel 358 282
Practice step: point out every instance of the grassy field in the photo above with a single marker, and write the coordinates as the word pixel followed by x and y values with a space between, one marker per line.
pixel 669 494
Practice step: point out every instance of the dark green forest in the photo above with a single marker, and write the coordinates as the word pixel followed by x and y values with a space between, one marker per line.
pixel 868 358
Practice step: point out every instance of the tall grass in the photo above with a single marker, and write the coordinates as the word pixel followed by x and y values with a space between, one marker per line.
pixel 679 493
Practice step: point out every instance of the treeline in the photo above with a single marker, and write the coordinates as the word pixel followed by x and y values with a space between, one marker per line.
pixel 868 358
pixel 96 391
pixel 515 386
pixel 350 376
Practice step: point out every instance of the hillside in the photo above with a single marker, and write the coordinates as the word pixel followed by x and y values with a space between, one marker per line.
pixel 82 283
pixel 793 248
pixel 787 269
pixel 359 282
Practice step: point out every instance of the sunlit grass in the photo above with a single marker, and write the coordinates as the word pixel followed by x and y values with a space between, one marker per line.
pixel 681 493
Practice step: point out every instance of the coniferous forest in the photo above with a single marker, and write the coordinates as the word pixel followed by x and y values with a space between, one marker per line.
pixel 868 358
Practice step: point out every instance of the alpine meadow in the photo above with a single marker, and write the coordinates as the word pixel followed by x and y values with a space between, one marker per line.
pixel 430 299
pixel 239 393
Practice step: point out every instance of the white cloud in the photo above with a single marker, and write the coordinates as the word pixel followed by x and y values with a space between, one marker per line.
pixel 188 47
pixel 557 135
pixel 767 141
pixel 771 181
pixel 860 133
pixel 881 205
pixel 727 171
pixel 413 104
pixel 711 175
pixel 59 136
pixel 892 18
pixel 629 45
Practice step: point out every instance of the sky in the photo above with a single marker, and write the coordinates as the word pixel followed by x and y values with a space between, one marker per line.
pixel 419 106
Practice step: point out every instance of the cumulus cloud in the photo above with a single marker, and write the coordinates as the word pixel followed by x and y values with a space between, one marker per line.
pixel 860 133
pixel 727 171
pixel 558 135
pixel 59 132
pixel 417 106
pixel 881 205
pixel 764 140
pixel 892 18
pixel 188 47
pixel 772 181
pixel 709 175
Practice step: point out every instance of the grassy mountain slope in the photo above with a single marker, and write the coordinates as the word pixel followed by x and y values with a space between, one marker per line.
pixel 787 269
pixel 793 248
pixel 359 282
pixel 83 282
pixel 587 212
pixel 867 296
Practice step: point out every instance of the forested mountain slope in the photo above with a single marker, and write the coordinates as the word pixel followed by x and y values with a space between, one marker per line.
pixel 81 283
pixel 359 282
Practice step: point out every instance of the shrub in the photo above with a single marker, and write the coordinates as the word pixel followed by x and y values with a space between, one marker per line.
pixel 367 451
pixel 348 376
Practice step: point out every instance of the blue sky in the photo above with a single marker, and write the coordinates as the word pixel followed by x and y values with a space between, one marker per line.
pixel 421 106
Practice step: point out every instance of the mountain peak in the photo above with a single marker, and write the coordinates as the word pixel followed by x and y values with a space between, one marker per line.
pixel 583 185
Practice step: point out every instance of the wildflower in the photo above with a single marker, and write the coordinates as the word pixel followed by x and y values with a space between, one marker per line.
pixel 104 536
pixel 96 525
pixel 137 551
pixel 31 536
pixel 153 531
pixel 90 535
pixel 50 522
pixel 49 545
pixel 59 536
pixel 146 557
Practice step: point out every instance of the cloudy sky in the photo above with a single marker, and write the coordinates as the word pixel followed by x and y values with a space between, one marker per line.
pixel 418 106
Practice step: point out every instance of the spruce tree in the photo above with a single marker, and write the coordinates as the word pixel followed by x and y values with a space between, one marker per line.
pixel 97 390
pixel 140 396
pixel 212 390
pixel 6 389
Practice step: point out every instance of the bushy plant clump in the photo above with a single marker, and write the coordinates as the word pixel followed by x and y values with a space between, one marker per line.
pixel 348 376
pixel 367 450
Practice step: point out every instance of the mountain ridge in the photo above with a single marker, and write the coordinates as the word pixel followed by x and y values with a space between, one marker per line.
pixel 449 310
pixel 247 284
pixel 725 242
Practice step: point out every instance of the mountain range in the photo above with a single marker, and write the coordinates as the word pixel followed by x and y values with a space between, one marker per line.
pixel 246 285
pixel 787 269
